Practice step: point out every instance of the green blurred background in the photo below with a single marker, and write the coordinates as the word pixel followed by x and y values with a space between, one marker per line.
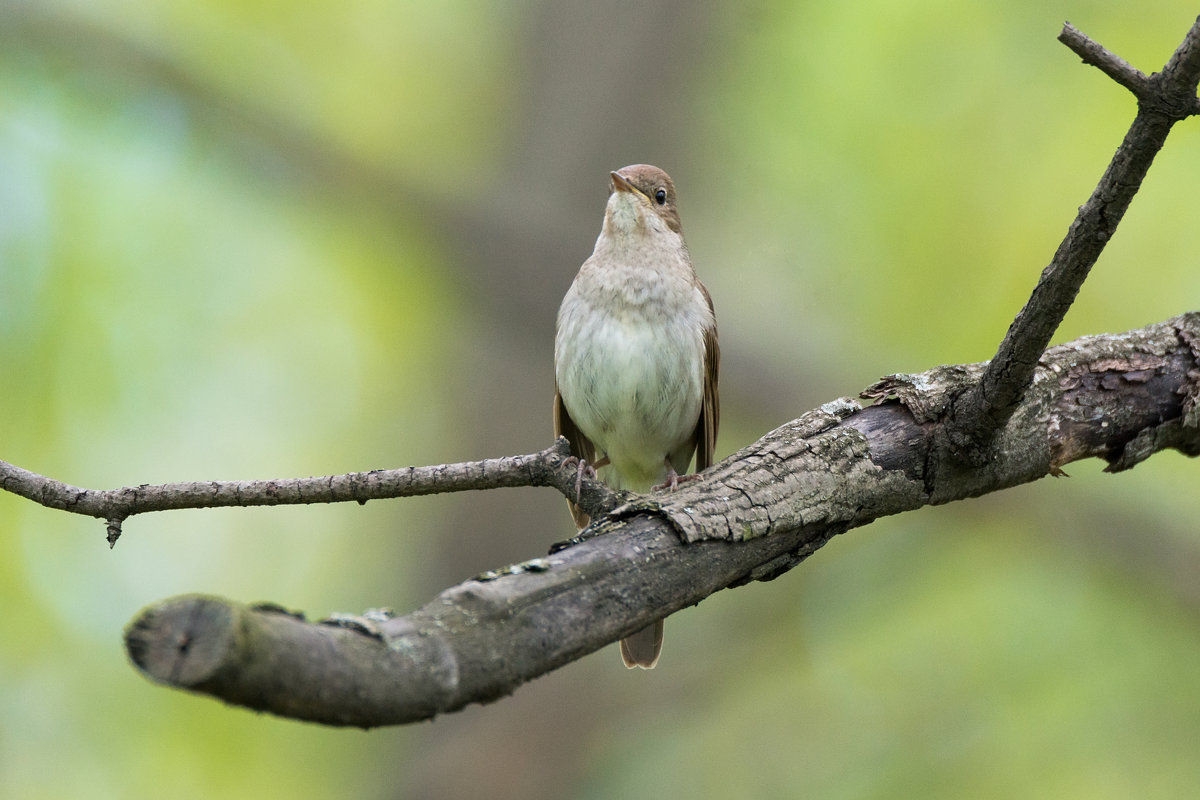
pixel 264 239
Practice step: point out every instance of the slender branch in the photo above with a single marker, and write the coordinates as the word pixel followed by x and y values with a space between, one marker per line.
pixel 1119 397
pixel 1163 99
pixel 1105 60
pixel 544 468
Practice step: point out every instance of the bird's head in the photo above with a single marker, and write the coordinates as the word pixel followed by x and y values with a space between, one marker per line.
pixel 642 200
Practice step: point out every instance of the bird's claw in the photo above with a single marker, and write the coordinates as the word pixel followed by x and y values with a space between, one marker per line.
pixel 582 467
pixel 674 479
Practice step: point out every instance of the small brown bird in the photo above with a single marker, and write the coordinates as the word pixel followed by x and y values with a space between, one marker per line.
pixel 636 356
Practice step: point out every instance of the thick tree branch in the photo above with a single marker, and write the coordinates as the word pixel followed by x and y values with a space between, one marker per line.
pixel 116 505
pixel 1120 397
pixel 1163 99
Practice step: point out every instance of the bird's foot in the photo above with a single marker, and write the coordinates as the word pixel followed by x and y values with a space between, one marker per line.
pixel 584 468
pixel 674 479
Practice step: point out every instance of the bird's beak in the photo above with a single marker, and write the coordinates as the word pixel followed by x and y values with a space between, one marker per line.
pixel 620 184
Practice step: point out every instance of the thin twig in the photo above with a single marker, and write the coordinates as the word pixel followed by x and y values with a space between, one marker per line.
pixel 1105 60
pixel 116 505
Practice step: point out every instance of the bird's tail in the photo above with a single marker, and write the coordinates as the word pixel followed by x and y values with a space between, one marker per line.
pixel 643 648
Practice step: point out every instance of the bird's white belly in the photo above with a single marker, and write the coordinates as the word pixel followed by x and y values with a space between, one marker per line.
pixel 633 386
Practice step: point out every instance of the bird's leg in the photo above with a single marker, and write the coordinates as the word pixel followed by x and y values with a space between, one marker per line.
pixel 674 479
pixel 584 469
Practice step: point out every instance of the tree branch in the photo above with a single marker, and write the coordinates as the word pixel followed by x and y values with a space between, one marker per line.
pixel 1120 397
pixel 544 468
pixel 1163 99
pixel 1106 61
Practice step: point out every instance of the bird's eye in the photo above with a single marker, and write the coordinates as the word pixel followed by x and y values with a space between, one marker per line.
pixel 660 197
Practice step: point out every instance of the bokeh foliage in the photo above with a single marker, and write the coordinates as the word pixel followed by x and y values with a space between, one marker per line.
pixel 228 250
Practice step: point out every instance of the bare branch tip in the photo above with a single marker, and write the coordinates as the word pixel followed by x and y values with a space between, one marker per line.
pixel 113 527
pixel 1112 65
pixel 1074 38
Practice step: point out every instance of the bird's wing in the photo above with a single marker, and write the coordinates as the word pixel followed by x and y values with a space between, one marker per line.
pixel 710 404
pixel 581 447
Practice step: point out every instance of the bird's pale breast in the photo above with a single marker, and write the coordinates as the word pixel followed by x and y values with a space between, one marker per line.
pixel 629 353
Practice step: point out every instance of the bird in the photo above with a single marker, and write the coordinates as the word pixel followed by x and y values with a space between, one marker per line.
pixel 636 357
